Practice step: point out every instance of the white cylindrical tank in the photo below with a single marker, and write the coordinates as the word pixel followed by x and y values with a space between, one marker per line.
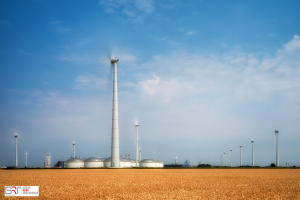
pixel 133 163
pixel 147 163
pixel 127 163
pixel 74 163
pixel 160 164
pixel 93 162
pixel 48 161
pixel 107 162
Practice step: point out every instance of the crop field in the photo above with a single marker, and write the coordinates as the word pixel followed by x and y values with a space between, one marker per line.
pixel 157 183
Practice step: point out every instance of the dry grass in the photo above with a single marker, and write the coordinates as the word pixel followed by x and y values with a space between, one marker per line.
pixel 157 183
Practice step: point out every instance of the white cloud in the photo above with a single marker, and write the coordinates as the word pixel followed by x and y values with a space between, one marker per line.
pixel 233 77
pixel 192 33
pixel 292 45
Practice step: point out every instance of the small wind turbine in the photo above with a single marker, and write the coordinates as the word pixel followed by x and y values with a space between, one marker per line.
pixel 140 154
pixel 137 144
pixel 73 149
pixel 221 160
pixel 26 160
pixel 252 141
pixel 241 155
pixel 277 153
pixel 176 160
pixel 231 157
pixel 16 136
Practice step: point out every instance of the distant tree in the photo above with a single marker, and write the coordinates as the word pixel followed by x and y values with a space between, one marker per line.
pixel 204 165
pixel 272 165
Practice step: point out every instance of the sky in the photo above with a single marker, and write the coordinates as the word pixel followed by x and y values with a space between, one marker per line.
pixel 200 77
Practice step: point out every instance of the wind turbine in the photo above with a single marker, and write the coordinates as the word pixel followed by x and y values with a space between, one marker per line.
pixel 241 155
pixel 16 136
pixel 140 154
pixel 252 141
pixel 221 160
pixel 26 160
pixel 115 152
pixel 191 161
pixel 73 149
pixel 277 154
pixel 154 156
pixel 231 157
pixel 224 159
pixel 176 160
pixel 137 144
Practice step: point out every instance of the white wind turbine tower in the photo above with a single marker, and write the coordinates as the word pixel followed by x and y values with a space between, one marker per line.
pixel 137 144
pixel 252 141
pixel 176 160
pixel 277 153
pixel 16 136
pixel 224 159
pixel 154 156
pixel 231 158
pixel 73 149
pixel 140 154
pixel 115 152
pixel 26 159
pixel 191 161
pixel 241 155
pixel 221 160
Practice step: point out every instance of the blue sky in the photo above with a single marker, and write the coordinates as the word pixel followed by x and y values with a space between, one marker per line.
pixel 201 77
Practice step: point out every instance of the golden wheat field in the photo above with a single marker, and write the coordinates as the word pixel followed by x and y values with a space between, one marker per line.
pixel 157 183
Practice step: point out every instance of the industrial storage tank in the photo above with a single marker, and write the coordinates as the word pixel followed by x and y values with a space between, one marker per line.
pixel 107 162
pixel 123 162
pixel 48 161
pixel 127 162
pixel 133 164
pixel 93 162
pixel 74 163
pixel 147 163
pixel 159 163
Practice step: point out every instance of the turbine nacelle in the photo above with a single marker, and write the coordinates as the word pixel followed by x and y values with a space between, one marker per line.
pixel 16 136
pixel 114 60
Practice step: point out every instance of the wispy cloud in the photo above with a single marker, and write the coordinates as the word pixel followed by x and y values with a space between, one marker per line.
pixel 192 33
pixel 70 58
pixel 91 82
pixel 135 11
pixel 59 27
